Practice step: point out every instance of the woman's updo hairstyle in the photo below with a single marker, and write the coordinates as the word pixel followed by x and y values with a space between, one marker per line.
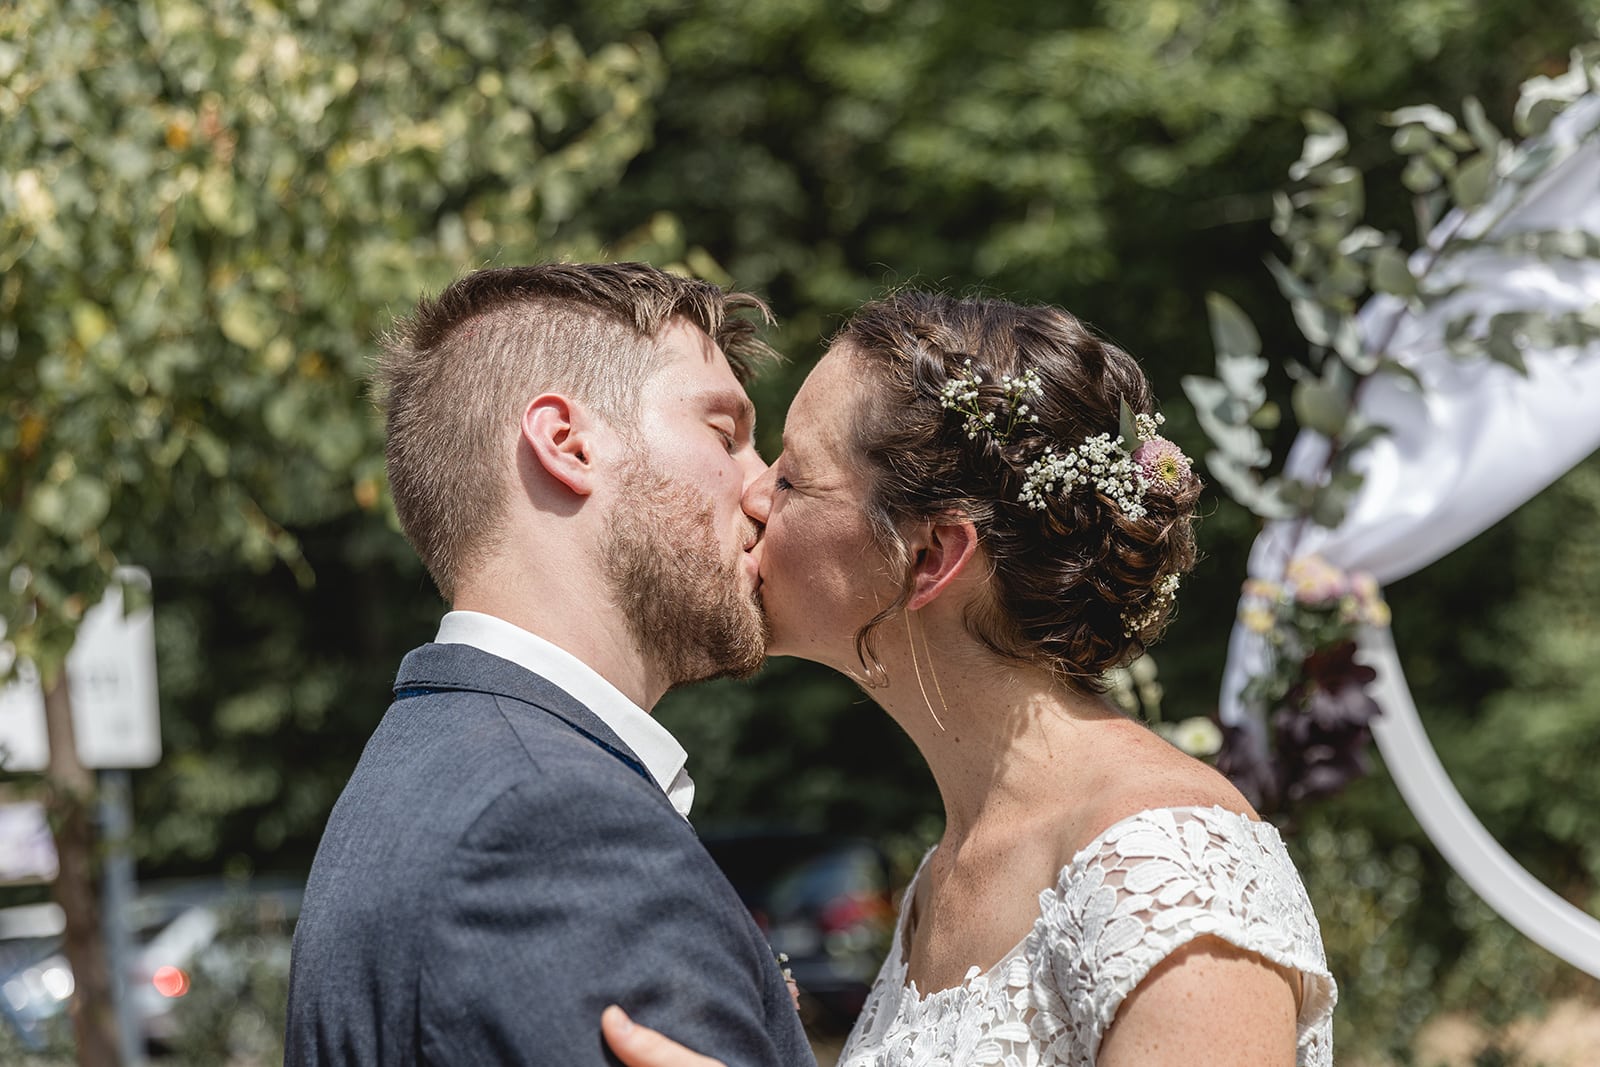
pixel 1080 584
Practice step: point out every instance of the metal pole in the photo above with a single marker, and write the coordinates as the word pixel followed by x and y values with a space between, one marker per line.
pixel 116 822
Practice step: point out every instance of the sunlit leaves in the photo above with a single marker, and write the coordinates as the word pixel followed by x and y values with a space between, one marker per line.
pixel 208 208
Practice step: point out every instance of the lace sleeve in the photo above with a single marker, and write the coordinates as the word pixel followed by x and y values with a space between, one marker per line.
pixel 1151 884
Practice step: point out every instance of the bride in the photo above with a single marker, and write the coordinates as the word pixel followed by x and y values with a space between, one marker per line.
pixel 974 517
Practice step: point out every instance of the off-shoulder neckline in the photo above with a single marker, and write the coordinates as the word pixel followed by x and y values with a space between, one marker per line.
pixel 1071 869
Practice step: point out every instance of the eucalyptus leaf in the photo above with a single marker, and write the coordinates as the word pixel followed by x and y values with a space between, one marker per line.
pixel 1531 163
pixel 1127 427
pixel 1325 141
pixel 1206 394
pixel 1320 406
pixel 1441 159
pixel 1344 279
pixel 1471 183
pixel 1295 493
pixel 1503 349
pixel 1488 139
pixel 1391 274
pixel 1282 213
pixel 1412 139
pixel 1290 284
pixel 1399 370
pixel 1243 375
pixel 1434 119
pixel 1420 176
pixel 1232 332
pixel 1241 483
pixel 1330 507
pixel 1361 438
pixel 1360 239
pixel 1266 417
pixel 1316 321
pixel 1351 347
pixel 1270 503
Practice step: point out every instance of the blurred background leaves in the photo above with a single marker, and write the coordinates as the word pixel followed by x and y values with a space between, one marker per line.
pixel 208 209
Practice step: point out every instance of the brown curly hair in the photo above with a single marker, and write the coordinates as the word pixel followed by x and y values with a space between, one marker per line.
pixel 1075 586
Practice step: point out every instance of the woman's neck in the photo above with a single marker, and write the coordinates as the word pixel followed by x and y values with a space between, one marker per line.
pixel 1001 738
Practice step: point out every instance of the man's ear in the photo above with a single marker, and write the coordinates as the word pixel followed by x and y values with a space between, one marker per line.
pixel 560 435
pixel 941 553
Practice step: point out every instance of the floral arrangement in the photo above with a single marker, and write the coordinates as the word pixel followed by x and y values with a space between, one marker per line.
pixel 1121 468
pixel 1314 688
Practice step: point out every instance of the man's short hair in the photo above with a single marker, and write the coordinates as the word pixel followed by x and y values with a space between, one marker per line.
pixel 453 377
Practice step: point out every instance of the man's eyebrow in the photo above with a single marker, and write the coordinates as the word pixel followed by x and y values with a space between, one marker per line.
pixel 736 402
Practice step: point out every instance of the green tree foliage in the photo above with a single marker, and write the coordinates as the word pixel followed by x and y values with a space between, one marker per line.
pixel 210 209
pixel 1116 158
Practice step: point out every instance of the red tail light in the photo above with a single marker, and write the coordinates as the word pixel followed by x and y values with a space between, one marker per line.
pixel 170 981
pixel 845 912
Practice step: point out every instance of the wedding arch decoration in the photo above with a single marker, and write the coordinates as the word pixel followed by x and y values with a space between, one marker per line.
pixel 1443 387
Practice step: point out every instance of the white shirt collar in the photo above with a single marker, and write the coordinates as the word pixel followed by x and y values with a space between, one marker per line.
pixel 655 746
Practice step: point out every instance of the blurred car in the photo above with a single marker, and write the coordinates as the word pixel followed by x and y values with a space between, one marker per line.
pixel 35 981
pixel 177 933
pixel 822 900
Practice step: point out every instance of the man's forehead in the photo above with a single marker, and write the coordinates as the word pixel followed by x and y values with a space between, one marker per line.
pixel 682 336
pixel 684 347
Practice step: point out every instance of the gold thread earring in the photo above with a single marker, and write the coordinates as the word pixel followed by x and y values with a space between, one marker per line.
pixel 927 650
pixel 917 667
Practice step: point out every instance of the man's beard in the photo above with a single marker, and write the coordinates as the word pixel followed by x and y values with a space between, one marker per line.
pixel 682 600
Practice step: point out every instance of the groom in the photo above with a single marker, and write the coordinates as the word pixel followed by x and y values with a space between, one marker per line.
pixel 568 446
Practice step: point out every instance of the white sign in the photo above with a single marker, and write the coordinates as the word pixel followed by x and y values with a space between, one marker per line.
pixel 112 669
pixel 27 851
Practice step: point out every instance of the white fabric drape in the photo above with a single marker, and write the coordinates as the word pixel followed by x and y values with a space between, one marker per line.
pixel 1476 443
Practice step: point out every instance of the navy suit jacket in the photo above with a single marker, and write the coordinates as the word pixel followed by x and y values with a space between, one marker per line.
pixel 499 868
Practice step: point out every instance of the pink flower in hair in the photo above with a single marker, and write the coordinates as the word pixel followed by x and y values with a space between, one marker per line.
pixel 1162 463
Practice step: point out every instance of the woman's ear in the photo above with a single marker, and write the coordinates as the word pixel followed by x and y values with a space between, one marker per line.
pixel 942 554
pixel 559 434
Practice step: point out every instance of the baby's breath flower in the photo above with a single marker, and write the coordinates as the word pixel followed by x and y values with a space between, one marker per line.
pixel 1104 462
pixel 1166 592
pixel 960 394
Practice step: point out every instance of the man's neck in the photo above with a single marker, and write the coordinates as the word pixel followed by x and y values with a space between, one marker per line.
pixel 577 617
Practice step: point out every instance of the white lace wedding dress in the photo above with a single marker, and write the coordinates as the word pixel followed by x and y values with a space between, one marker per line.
pixel 1142 888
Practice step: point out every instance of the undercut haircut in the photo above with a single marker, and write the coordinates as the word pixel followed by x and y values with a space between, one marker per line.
pixel 453 377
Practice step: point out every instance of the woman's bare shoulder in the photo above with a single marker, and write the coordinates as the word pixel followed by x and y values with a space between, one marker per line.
pixel 1145 773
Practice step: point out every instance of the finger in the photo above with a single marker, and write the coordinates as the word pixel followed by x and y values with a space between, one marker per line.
pixel 640 1046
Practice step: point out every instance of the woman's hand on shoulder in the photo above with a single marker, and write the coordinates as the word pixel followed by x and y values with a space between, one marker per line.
pixel 640 1046
pixel 1208 1004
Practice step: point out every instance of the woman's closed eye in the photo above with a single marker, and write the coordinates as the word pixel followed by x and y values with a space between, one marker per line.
pixel 782 484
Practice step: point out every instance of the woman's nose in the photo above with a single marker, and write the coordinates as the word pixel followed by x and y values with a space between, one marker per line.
pixel 757 500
